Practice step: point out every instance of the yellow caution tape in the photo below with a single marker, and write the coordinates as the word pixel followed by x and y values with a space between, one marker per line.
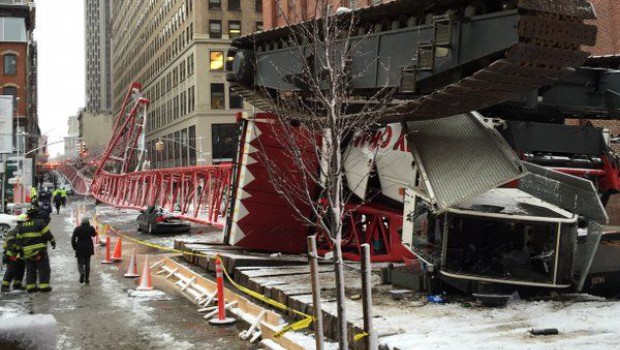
pixel 302 324
pixel 305 323
pixel 360 336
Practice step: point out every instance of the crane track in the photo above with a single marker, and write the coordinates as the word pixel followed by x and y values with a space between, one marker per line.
pixel 551 34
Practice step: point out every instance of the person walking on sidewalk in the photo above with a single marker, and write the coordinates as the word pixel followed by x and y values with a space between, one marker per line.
pixel 82 243
pixel 16 266
pixel 33 236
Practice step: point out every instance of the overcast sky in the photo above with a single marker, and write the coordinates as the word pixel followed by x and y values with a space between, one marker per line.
pixel 59 34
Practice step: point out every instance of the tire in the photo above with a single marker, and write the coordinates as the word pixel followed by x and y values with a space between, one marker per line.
pixel 138 228
pixel 4 228
pixel 151 228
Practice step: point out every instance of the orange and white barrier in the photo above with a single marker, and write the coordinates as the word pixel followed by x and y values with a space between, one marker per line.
pixel 145 280
pixel 132 268
pixel 118 250
pixel 221 303
pixel 107 259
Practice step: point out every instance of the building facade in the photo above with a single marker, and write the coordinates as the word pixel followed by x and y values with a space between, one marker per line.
pixel 608 23
pixel 278 13
pixel 98 55
pixel 72 138
pixel 177 50
pixel 18 77
pixel 94 129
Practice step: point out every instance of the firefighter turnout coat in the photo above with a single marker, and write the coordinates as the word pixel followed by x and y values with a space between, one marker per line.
pixel 33 236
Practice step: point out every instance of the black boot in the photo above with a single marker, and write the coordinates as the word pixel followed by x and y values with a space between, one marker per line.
pixel 45 289
pixel 4 289
pixel 17 286
pixel 81 278
pixel 32 290
pixel 86 280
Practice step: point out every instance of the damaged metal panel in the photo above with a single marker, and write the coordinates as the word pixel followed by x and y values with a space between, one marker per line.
pixel 358 162
pixel 586 250
pixel 460 157
pixel 568 192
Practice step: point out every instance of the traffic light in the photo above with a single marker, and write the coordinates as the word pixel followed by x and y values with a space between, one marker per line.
pixel 159 146
pixel 78 147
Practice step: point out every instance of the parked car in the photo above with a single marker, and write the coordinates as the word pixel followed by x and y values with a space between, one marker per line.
pixel 157 220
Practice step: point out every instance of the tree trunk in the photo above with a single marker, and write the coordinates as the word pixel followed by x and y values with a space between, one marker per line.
pixel 343 341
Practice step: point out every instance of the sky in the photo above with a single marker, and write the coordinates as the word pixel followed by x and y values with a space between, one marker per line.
pixel 59 33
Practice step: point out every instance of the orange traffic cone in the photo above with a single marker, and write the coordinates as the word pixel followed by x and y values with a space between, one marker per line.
pixel 145 279
pixel 107 252
pixel 132 268
pixel 221 318
pixel 118 250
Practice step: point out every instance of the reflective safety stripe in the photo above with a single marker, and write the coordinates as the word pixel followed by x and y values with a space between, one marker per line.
pixel 31 286
pixel 29 235
pixel 44 285
pixel 45 230
pixel 30 248
pixel 5 283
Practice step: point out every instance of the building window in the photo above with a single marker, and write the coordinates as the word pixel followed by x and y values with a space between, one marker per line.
pixel 216 60
pixel 234 29
pixel 192 145
pixel 259 26
pixel 215 4
pixel 12 29
pixel 11 90
pixel 259 5
pixel 235 101
pixel 10 64
pixel 217 96
pixel 234 5
pixel 215 29
pixel 224 142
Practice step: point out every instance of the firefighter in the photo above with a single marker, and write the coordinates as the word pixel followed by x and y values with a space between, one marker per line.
pixel 63 195
pixel 33 236
pixel 11 257
pixel 57 198
pixel 33 194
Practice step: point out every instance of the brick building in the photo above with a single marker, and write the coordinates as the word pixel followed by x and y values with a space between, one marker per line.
pixel 18 75
pixel 608 22
pixel 607 44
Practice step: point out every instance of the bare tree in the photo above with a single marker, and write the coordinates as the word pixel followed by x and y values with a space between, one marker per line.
pixel 315 119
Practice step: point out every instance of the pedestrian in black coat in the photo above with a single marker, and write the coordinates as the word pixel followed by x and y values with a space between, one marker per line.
pixel 82 243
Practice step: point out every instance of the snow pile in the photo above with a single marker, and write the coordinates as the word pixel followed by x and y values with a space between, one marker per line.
pixel 581 324
pixel 36 332
pixel 12 309
pixel 148 295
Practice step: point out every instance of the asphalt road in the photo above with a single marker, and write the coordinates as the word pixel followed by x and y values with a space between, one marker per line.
pixel 102 315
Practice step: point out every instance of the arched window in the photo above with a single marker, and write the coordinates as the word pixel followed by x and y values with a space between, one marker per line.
pixel 10 64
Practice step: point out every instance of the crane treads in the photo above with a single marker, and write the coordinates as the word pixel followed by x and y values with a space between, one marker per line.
pixel 460 157
pixel 568 192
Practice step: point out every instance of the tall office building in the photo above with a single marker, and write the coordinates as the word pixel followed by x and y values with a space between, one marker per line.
pixel 98 55
pixel 177 50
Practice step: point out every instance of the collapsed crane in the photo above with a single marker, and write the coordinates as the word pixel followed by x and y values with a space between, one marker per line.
pixel 442 205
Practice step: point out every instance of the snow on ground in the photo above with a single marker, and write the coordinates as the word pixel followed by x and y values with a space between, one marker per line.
pixel 12 308
pixel 36 332
pixel 581 324
pixel 142 316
